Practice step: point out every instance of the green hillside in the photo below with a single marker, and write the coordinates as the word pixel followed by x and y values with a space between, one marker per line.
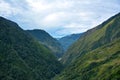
pixel 96 55
pixel 48 41
pixel 104 33
pixel 100 64
pixel 22 57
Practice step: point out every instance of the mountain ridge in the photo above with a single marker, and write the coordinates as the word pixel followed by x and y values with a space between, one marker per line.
pixel 96 55
pixel 93 37
pixel 95 65
pixel 22 57
pixel 68 40
pixel 47 40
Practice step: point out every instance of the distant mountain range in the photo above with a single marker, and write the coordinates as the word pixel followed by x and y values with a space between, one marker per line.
pixel 48 41
pixel 67 41
pixel 33 54
pixel 96 55
pixel 22 57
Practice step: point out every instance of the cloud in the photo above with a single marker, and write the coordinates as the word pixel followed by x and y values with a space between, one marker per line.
pixel 59 17
pixel 6 9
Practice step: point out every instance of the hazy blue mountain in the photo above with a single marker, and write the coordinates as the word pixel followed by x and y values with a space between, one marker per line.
pixel 67 41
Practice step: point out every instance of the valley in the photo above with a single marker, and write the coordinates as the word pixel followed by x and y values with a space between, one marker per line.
pixel 36 55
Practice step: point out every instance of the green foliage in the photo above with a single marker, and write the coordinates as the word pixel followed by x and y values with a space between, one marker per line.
pixel 48 41
pixel 22 57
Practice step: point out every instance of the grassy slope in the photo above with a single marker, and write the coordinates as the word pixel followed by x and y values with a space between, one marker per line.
pixel 96 55
pixel 94 38
pixel 22 57
pixel 100 64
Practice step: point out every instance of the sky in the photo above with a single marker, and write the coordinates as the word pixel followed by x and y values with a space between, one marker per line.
pixel 59 17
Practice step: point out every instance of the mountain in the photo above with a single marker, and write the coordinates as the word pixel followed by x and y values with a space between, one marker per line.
pixel 22 57
pixel 94 38
pixel 100 64
pixel 67 41
pixel 96 55
pixel 48 41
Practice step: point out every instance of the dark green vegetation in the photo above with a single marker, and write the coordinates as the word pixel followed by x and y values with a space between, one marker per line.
pixel 48 41
pixel 22 57
pixel 67 41
pixel 96 55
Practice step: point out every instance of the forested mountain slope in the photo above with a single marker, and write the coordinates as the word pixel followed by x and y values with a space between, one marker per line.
pixel 22 57
pixel 48 41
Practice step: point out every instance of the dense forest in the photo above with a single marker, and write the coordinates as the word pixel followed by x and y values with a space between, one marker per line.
pixel 22 57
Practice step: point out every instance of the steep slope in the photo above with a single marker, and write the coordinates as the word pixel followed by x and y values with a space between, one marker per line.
pixel 96 55
pixel 22 57
pixel 94 38
pixel 47 40
pixel 100 64
pixel 67 41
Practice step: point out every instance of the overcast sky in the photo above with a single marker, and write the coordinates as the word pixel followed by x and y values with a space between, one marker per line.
pixel 59 17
